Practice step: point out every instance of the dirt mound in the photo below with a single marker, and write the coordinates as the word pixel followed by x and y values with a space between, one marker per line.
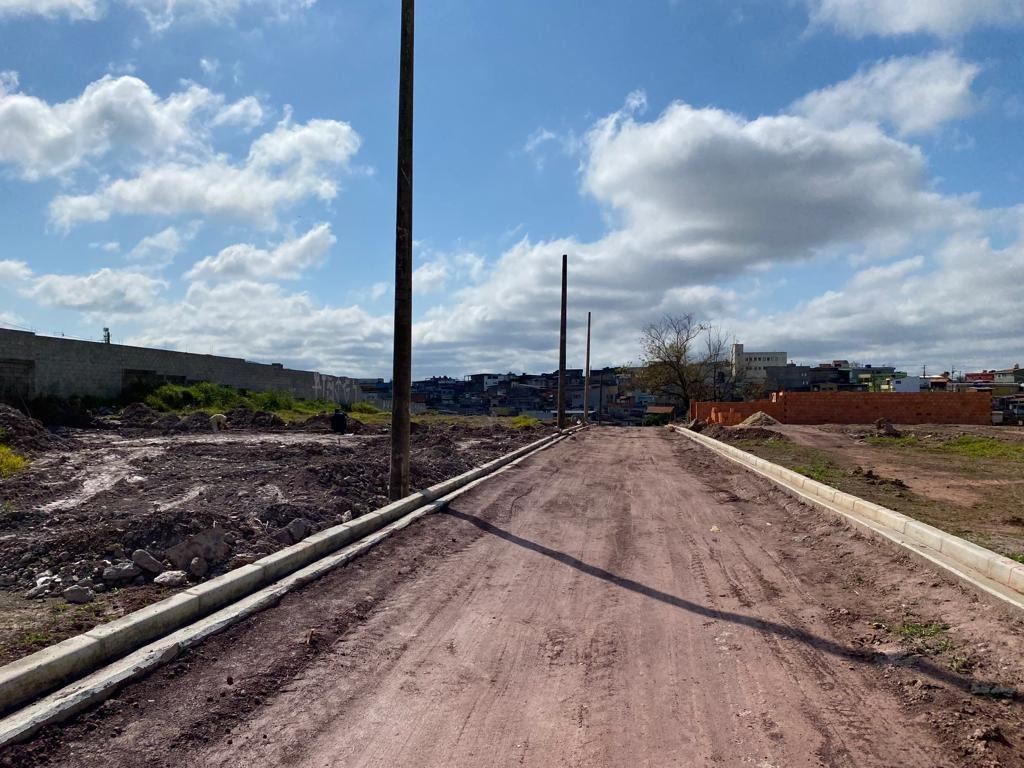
pixel 730 434
pixel 244 418
pixel 139 415
pixel 23 433
pixel 759 419
pixel 197 421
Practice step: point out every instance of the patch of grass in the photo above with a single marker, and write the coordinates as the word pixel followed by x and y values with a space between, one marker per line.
pixel 1018 557
pixel 524 422
pixel 10 462
pixel 821 470
pixel 915 631
pixel 976 447
pixel 364 407
pixel 904 441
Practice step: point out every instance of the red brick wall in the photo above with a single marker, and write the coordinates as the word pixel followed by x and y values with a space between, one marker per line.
pixel 856 408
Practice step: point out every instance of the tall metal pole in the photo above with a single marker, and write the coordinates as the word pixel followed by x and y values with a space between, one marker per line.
pixel 586 378
pixel 402 374
pixel 561 344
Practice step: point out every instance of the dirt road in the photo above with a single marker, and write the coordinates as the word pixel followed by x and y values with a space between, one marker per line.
pixel 625 598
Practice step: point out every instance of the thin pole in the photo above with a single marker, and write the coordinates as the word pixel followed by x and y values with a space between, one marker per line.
pixel 586 377
pixel 561 345
pixel 402 374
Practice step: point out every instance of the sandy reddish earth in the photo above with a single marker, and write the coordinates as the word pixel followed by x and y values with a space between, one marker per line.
pixel 625 598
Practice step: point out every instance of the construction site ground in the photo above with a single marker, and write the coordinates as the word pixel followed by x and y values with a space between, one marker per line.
pixel 624 598
pixel 90 498
pixel 967 480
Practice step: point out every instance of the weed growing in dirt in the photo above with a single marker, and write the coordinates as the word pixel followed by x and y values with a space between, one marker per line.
pixel 35 639
pixel 913 630
pixel 10 462
pixel 1019 557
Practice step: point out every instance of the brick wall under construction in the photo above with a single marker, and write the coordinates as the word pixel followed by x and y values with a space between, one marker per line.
pixel 856 408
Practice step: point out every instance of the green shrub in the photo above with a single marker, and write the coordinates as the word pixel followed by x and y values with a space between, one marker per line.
pixel 217 397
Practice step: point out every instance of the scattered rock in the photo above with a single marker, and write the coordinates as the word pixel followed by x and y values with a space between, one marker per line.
pixel 77 594
pixel 121 572
pixel 210 545
pixel 300 528
pixel 886 428
pixel 172 579
pixel 198 567
pixel 147 562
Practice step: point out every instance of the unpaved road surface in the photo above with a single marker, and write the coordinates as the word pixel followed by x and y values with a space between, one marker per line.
pixel 624 598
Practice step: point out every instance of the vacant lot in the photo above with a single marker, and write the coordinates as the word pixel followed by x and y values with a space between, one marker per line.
pixel 91 499
pixel 965 480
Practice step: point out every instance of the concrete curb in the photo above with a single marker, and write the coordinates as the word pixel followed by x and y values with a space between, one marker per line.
pixel 983 570
pixel 103 683
pixel 34 675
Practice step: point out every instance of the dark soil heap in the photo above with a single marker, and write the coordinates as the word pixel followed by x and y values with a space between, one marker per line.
pixel 25 434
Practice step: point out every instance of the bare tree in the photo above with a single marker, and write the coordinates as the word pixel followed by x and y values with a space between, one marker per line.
pixel 683 360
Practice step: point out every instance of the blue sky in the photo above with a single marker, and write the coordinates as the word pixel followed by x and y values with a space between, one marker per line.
pixel 834 178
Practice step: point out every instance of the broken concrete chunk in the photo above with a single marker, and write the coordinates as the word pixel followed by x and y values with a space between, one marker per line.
pixel 211 545
pixel 78 594
pixel 121 572
pixel 172 579
pixel 147 562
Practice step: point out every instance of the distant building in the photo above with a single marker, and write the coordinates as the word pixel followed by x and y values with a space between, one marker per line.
pixel 907 384
pixel 751 366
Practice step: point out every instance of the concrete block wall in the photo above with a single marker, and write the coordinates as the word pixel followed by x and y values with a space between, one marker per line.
pixel 66 367
pixel 856 408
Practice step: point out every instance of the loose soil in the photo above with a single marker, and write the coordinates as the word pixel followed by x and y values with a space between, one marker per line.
pixel 625 598
pixel 981 499
pixel 93 499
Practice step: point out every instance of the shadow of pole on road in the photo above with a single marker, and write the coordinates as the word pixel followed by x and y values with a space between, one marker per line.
pixel 761 625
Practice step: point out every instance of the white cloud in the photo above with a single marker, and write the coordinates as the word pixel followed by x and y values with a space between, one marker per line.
pixel 160 14
pixel 160 249
pixel 113 112
pixel 246 113
pixel 430 277
pixel 286 165
pixel 210 66
pixel 73 9
pixel 915 94
pixel 14 271
pixel 913 311
pixel 107 291
pixel 378 290
pixel 111 246
pixel 260 321
pixel 698 199
pixel 287 261
pixel 943 18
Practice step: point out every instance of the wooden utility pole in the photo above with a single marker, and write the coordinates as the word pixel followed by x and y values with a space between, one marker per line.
pixel 401 380
pixel 586 378
pixel 561 345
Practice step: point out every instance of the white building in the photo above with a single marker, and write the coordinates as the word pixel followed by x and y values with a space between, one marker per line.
pixel 751 365
pixel 906 384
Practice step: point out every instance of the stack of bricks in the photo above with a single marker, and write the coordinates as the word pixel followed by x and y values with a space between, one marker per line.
pixel 855 408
